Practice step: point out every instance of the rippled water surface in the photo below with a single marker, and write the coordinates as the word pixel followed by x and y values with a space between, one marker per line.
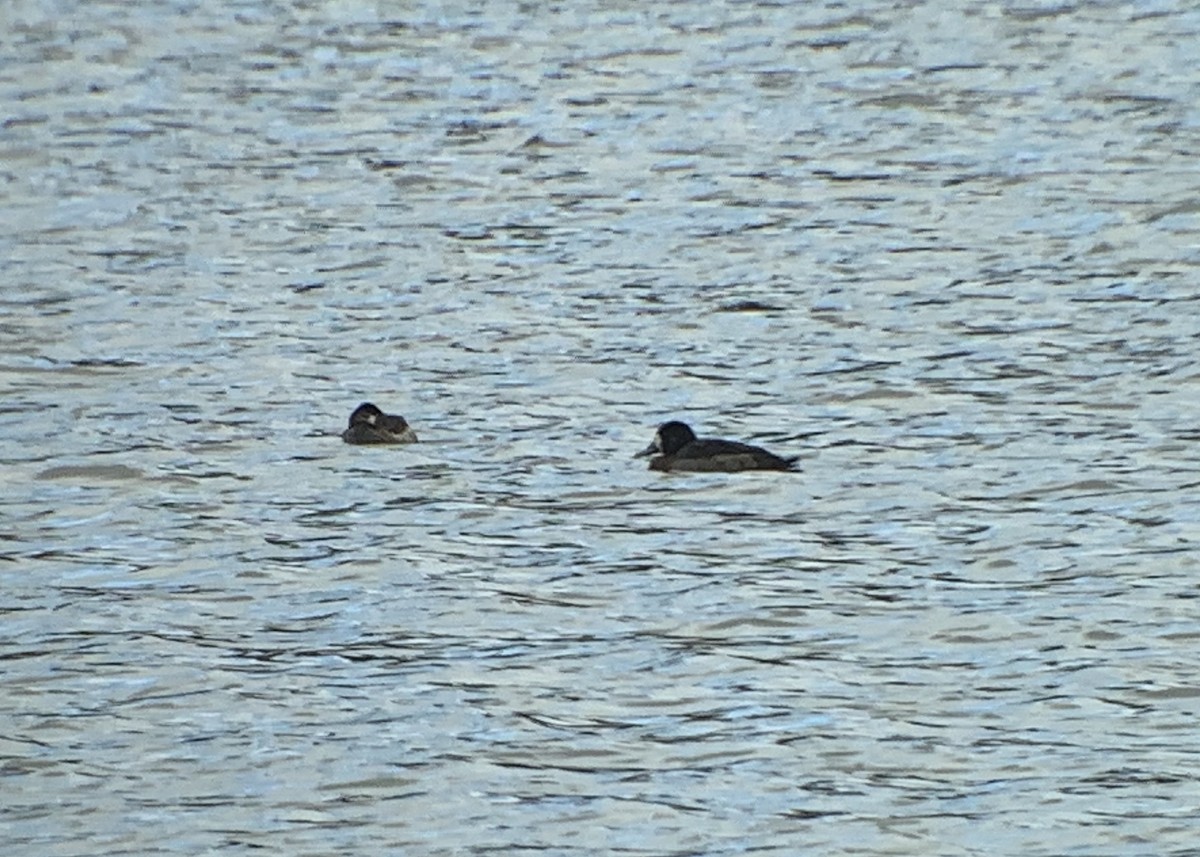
pixel 950 258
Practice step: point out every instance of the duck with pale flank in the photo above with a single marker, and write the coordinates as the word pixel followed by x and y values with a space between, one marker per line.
pixel 368 424
pixel 676 447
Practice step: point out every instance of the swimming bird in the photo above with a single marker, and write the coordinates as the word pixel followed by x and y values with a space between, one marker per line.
pixel 368 424
pixel 676 447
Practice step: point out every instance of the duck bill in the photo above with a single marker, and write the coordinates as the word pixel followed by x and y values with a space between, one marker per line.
pixel 652 449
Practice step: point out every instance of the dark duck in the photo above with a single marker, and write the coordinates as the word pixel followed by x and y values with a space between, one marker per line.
pixel 676 447
pixel 368 424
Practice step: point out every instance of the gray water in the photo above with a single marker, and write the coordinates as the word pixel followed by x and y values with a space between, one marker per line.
pixel 949 258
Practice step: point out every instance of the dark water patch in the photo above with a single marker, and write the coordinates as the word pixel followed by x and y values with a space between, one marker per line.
pixel 91 472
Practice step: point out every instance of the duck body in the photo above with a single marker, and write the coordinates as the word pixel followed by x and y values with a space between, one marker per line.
pixel 676 448
pixel 369 424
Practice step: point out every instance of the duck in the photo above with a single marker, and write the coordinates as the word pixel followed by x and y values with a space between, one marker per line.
pixel 368 424
pixel 676 447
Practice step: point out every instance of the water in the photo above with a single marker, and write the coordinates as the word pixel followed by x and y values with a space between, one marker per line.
pixel 947 257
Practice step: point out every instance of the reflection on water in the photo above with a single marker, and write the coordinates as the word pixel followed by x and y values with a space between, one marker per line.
pixel 948 259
